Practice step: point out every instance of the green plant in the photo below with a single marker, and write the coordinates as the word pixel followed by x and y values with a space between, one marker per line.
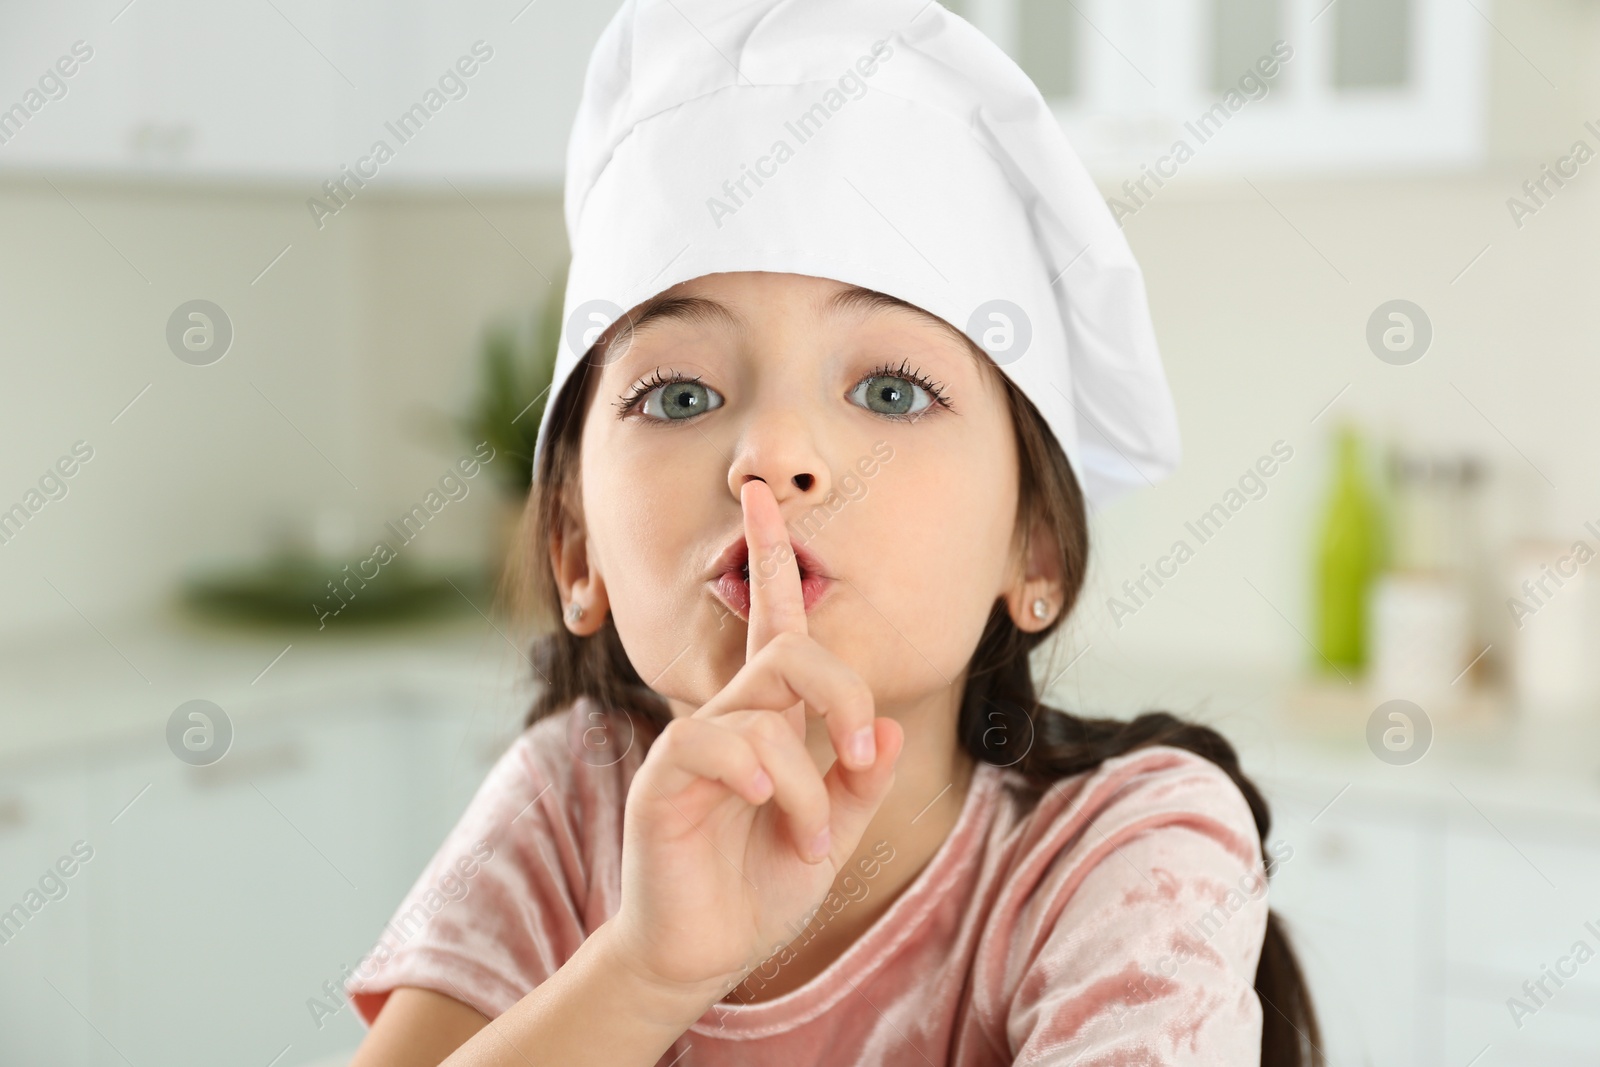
pixel 516 370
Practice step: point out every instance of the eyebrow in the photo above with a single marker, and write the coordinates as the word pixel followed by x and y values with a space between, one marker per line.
pixel 856 298
pixel 703 311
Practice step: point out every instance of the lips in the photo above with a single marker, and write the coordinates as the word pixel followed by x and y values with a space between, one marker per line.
pixel 730 579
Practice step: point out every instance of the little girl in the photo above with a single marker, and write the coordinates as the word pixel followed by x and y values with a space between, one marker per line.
pixel 810 489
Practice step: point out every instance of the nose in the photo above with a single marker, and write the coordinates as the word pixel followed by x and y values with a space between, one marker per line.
pixel 801 481
pixel 780 452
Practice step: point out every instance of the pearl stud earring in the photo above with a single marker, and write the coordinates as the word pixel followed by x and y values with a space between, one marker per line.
pixel 574 612
pixel 1041 608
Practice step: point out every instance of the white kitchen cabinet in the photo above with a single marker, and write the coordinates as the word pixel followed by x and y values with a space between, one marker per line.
pixel 1522 894
pixel 177 88
pixel 221 898
pixel 1479 1029
pixel 241 887
pixel 295 91
pixel 1361 84
pixel 462 737
pixel 1354 896
pixel 45 977
pixel 1417 915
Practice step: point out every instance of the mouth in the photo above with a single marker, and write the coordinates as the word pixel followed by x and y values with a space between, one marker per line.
pixel 730 578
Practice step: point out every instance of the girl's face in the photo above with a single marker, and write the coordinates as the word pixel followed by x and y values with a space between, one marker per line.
pixel 888 447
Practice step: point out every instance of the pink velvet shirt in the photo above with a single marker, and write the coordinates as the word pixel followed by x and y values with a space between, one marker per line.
pixel 1117 922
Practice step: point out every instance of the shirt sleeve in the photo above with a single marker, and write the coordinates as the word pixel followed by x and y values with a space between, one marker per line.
pixel 1141 945
pixel 500 906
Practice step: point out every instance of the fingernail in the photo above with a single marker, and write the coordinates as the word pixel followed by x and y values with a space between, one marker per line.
pixel 824 841
pixel 762 783
pixel 863 748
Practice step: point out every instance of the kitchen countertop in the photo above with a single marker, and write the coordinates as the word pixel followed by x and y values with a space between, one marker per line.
pixel 81 688
pixel 1308 737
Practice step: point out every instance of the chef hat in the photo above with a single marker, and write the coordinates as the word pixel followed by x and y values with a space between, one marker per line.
pixel 881 143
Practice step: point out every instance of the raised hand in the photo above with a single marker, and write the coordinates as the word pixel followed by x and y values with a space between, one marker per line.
pixel 730 832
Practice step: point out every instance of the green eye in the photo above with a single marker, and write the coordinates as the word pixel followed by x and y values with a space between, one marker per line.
pixel 674 401
pixel 895 392
pixel 890 394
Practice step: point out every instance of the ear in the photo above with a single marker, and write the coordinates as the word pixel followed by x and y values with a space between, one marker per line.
pixel 1033 577
pixel 579 583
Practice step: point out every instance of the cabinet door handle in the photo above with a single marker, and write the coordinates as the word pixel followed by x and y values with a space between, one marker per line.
pixel 236 767
pixel 13 813
pixel 1334 846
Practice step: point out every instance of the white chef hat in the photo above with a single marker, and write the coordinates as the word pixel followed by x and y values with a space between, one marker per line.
pixel 882 143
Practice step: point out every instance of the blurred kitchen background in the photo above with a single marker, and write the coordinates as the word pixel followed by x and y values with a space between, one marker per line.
pixel 1370 231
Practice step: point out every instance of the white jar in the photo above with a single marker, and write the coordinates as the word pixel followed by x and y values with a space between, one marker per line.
pixel 1420 633
pixel 1549 600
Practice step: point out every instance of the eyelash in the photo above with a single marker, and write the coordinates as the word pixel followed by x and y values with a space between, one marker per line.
pixel 626 404
pixel 904 372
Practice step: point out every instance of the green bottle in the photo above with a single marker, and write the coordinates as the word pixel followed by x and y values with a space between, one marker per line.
pixel 1347 559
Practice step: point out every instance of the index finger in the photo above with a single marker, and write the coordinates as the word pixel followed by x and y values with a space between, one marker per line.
pixel 776 603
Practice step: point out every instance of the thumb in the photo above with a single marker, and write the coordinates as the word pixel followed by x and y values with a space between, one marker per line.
pixel 855 796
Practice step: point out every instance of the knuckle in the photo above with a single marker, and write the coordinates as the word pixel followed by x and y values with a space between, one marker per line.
pixel 673 737
pixel 770 728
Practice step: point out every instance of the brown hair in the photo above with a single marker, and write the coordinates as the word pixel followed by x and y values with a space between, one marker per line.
pixel 1050 746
